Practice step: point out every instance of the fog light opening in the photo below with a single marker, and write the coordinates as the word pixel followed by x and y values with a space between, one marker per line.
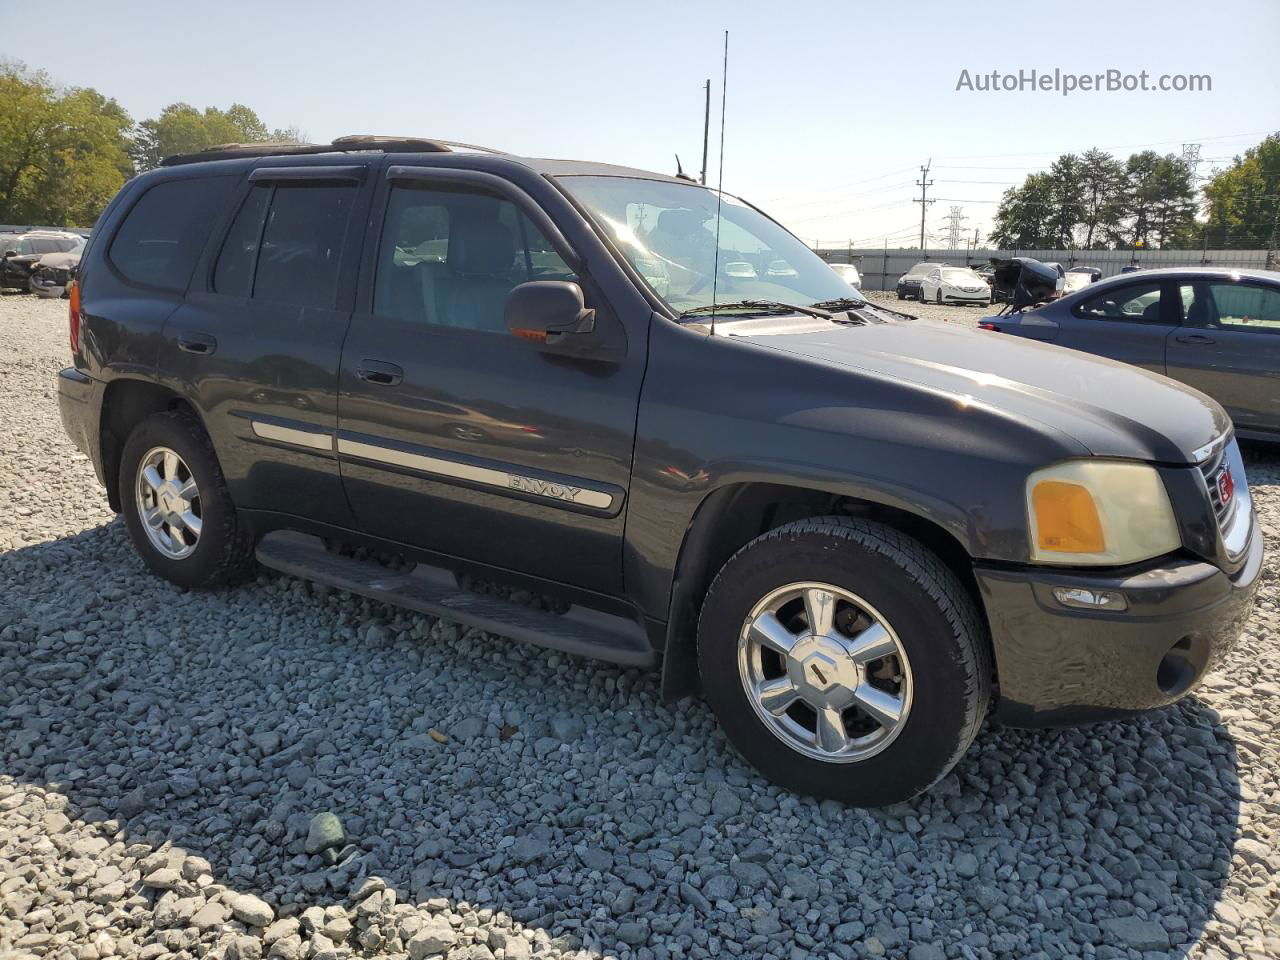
pixel 1178 668
pixel 1082 598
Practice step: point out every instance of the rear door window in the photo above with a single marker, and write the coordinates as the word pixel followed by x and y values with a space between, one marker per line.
pixel 233 273
pixel 285 244
pixel 164 232
pixel 302 243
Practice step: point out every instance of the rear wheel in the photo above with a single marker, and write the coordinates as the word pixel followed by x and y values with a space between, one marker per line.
pixel 177 506
pixel 844 660
pixel 938 297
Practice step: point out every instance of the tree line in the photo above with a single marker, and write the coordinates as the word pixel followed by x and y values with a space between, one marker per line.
pixel 1096 201
pixel 64 152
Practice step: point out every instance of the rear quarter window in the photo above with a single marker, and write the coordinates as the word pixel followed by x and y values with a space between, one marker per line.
pixel 164 232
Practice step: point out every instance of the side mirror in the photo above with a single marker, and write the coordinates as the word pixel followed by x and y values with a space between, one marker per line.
pixel 548 311
pixel 10 253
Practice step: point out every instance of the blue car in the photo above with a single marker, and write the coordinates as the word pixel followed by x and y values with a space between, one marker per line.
pixel 1215 329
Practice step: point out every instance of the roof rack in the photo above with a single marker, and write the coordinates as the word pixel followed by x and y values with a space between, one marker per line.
pixel 229 151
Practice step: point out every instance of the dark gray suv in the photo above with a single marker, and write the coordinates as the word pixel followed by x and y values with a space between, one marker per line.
pixel 855 532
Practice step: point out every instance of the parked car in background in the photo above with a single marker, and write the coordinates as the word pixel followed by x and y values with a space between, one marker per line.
pixel 54 271
pixel 909 282
pixel 1078 278
pixel 20 252
pixel 1217 330
pixel 848 273
pixel 852 530
pixel 1062 276
pixel 954 285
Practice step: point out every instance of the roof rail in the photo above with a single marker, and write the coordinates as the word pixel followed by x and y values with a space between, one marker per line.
pixel 229 151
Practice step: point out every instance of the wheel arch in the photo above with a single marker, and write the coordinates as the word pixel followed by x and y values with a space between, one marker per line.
pixel 733 515
pixel 125 403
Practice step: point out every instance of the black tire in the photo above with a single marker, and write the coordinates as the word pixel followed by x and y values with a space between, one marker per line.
pixel 901 295
pixel 930 610
pixel 224 550
pixel 938 297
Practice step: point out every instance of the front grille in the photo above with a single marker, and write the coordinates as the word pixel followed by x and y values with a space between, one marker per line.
pixel 1210 470
pixel 1235 516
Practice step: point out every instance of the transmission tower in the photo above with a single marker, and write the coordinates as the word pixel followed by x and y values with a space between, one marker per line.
pixel 953 220
pixel 1191 158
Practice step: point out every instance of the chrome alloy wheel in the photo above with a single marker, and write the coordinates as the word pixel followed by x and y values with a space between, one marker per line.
pixel 168 503
pixel 825 672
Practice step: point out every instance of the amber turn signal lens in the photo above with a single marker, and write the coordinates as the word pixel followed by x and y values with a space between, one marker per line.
pixel 1066 518
pixel 73 315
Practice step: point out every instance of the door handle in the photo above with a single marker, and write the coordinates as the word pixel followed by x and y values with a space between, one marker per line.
pixel 1194 338
pixel 380 373
pixel 200 343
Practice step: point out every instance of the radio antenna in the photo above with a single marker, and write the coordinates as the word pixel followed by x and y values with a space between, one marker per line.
pixel 715 275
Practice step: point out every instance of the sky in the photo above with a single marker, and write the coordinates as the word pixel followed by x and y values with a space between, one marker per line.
pixel 831 108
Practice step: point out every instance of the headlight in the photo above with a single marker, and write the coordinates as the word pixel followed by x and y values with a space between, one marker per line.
pixel 1099 512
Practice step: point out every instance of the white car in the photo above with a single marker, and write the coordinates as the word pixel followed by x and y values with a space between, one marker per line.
pixel 848 273
pixel 954 285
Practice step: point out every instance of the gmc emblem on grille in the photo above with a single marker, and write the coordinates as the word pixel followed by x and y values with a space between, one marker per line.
pixel 1226 486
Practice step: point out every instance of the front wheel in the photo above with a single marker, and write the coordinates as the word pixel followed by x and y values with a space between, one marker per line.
pixel 938 297
pixel 844 660
pixel 177 506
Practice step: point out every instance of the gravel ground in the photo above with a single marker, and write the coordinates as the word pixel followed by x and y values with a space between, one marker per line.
pixel 165 756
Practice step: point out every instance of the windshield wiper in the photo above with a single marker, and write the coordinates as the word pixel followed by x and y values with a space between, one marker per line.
pixel 851 303
pixel 764 306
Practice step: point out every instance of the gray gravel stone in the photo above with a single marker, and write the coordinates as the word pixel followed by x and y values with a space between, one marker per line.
pixel 325 833
pixel 189 736
pixel 251 910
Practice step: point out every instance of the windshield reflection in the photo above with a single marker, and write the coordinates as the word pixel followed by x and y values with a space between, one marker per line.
pixel 668 231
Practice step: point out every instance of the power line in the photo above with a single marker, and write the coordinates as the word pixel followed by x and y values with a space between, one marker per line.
pixel 840 186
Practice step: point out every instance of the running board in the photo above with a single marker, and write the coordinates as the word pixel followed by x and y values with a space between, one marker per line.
pixel 432 590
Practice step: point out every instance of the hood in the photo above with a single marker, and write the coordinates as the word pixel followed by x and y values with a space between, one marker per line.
pixel 60 261
pixel 1111 408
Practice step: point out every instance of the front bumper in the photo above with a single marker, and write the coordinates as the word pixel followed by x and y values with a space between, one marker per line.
pixel 1059 665
pixel 962 296
pixel 45 287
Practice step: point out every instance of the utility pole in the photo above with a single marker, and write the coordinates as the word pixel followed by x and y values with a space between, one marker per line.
pixel 953 220
pixel 924 183
pixel 706 130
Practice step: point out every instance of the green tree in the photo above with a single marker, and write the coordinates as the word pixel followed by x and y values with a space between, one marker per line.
pixel 1066 190
pixel 182 128
pixel 1244 199
pixel 1025 215
pixel 1101 175
pixel 1155 205
pixel 63 152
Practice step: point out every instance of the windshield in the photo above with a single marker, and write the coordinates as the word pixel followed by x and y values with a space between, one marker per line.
pixel 960 275
pixel 668 233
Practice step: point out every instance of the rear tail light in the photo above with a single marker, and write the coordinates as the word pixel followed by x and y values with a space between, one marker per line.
pixel 987 325
pixel 73 316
